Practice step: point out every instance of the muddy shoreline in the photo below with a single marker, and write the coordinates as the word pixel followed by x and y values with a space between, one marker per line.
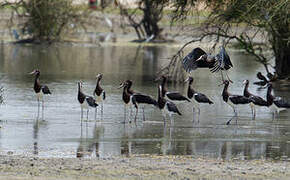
pixel 140 167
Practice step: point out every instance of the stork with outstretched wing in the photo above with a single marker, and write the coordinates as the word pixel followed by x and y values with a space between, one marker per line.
pixel 198 58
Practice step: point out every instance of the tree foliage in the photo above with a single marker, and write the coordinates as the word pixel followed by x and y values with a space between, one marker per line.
pixel 46 19
pixel 146 23
pixel 254 25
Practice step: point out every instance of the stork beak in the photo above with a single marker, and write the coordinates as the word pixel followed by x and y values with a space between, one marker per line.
pixel 222 83
pixel 186 80
pixel 99 75
pixel 199 59
pixel 245 81
pixel 157 79
pixel 32 72
pixel 121 85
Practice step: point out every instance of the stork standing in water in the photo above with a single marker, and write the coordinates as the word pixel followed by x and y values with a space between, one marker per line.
pixel 173 96
pixel 198 58
pixel 276 104
pixel 166 106
pixel 136 98
pixel 255 100
pixel 126 97
pixel 233 100
pixel 85 101
pixel 99 94
pixel 198 97
pixel 40 90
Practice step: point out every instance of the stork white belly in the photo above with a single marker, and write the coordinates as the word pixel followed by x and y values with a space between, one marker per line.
pixel 99 98
pixel 85 105
pixel 39 95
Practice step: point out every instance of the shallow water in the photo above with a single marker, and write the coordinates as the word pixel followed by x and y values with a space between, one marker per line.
pixel 63 134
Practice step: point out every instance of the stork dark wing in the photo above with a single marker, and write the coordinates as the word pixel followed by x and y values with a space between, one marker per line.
pixel 189 61
pixel 261 77
pixel 45 89
pixel 260 83
pixel 176 96
pixel 141 98
pixel 281 103
pixel 172 107
pixel 223 61
pixel 239 99
pixel 201 98
pixel 91 101
pixel 258 101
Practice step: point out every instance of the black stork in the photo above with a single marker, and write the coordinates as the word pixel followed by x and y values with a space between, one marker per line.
pixel 276 104
pixel 198 97
pixel 99 93
pixel 256 100
pixel 173 96
pixel 85 100
pixel 198 58
pixel 233 100
pixel 166 106
pixel 126 97
pixel 263 80
pixel 39 89
pixel 136 98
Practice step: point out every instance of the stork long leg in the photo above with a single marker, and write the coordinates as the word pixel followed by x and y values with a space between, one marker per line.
pixel 38 108
pixel 229 77
pixel 102 108
pixel 87 114
pixel 82 113
pixel 229 121
pixel 96 112
pixel 164 120
pixel 254 112
pixel 192 113
pixel 42 109
pixel 143 113
pixel 135 119
pixel 222 76
pixel 124 113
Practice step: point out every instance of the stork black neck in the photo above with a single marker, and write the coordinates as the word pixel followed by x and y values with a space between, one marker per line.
pixel 246 90
pixel 161 100
pixel 225 93
pixel 163 88
pixel 190 90
pixel 98 89
pixel 126 95
pixel 270 97
pixel 81 96
pixel 37 86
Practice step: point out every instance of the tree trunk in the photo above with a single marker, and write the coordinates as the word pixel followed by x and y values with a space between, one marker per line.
pixel 282 57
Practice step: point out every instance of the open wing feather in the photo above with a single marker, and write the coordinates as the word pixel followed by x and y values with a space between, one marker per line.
pixel 189 61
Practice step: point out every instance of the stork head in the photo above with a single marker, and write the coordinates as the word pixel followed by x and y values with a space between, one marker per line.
pixel 129 83
pixel 225 82
pixel 246 82
pixel 202 57
pixel 80 84
pixel 189 79
pixel 99 76
pixel 35 72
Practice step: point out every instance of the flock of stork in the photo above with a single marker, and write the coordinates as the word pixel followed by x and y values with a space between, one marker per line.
pixel 197 58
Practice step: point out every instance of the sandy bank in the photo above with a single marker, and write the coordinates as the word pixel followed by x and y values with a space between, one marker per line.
pixel 140 167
